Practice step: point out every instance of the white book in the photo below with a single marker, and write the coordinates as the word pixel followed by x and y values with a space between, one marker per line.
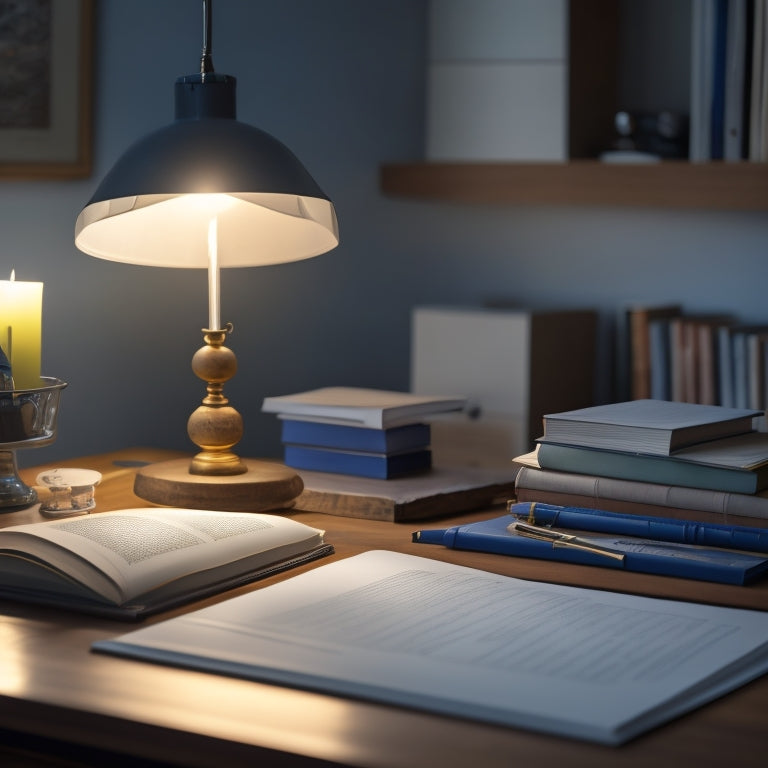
pixel 374 408
pixel 134 562
pixel 429 635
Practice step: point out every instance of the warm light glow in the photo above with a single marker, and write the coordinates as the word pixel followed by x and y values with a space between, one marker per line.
pixel 15 664
pixel 171 231
pixel 13 275
pixel 207 204
pixel 214 295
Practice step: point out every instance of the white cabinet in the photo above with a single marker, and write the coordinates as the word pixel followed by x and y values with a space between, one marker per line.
pixel 513 366
pixel 497 81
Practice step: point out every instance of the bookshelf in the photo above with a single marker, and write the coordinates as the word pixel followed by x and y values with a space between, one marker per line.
pixel 599 48
pixel 669 184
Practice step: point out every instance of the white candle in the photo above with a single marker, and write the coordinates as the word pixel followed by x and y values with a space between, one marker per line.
pixel 214 318
pixel 21 310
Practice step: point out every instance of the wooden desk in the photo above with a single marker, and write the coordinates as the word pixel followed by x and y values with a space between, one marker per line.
pixel 58 698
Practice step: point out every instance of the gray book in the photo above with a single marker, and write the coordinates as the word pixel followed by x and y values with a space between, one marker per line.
pixel 656 427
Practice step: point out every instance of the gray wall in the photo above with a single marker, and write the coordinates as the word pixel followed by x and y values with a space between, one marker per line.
pixel 342 83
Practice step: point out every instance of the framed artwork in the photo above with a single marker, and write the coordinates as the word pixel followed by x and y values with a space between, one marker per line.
pixel 46 50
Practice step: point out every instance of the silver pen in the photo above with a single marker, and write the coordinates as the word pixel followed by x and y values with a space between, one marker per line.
pixel 559 539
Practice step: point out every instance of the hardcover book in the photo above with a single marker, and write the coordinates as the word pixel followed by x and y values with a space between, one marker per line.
pixel 647 426
pixel 375 408
pixel 378 465
pixel 612 494
pixel 130 563
pixel 738 464
pixel 394 440
pixel 664 558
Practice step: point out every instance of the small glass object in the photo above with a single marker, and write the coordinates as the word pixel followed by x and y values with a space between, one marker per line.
pixel 67 491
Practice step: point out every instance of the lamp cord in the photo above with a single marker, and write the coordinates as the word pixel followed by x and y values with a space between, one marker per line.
pixel 206 62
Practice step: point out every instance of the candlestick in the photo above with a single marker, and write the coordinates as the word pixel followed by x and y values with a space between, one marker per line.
pixel 21 310
pixel 214 318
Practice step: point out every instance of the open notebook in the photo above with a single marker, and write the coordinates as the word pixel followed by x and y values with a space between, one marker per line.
pixel 420 633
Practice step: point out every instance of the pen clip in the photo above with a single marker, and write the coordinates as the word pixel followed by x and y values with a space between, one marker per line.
pixel 559 539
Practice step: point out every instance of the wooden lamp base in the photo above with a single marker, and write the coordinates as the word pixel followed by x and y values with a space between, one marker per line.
pixel 216 478
pixel 262 487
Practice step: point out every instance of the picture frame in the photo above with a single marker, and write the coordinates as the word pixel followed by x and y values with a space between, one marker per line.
pixel 46 89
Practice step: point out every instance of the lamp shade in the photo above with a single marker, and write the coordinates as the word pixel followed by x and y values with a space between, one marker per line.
pixel 154 207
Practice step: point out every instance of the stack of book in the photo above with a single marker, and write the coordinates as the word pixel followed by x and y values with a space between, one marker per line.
pixel 357 431
pixel 668 458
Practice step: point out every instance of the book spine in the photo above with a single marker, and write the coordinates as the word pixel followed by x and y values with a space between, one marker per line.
pixel 736 53
pixel 602 492
pixel 382 441
pixel 359 464
pixel 702 71
pixel 658 332
pixel 725 367
pixel 717 131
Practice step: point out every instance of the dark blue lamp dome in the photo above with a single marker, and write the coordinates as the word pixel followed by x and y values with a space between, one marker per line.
pixel 154 206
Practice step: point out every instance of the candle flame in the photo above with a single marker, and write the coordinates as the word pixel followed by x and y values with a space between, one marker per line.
pixel 13 275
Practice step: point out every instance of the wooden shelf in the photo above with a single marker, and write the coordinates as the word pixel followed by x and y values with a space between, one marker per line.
pixel 670 184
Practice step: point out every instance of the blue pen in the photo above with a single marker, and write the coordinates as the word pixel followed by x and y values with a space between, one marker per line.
pixel 656 528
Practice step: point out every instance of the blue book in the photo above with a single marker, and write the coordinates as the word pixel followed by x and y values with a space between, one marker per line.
pixel 735 464
pixel 717 131
pixel 659 350
pixel 376 465
pixel 725 367
pixel 349 438
pixel 606 550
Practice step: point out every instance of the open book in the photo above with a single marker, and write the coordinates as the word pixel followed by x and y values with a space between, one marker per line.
pixel 429 635
pixel 138 561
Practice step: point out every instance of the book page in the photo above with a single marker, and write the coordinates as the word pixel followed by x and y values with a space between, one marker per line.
pixel 423 633
pixel 124 554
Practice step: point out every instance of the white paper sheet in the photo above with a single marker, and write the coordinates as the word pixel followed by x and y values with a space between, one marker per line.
pixel 416 632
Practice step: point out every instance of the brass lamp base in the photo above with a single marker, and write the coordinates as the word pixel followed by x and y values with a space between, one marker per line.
pixel 216 478
pixel 262 487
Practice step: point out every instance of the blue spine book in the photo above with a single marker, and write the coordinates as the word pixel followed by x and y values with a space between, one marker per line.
pixel 640 555
pixel 374 465
pixel 352 438
pixel 717 116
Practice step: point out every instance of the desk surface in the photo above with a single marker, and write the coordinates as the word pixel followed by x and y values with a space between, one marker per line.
pixel 53 688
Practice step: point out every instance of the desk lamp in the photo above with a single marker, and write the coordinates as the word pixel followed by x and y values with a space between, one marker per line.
pixel 208 191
